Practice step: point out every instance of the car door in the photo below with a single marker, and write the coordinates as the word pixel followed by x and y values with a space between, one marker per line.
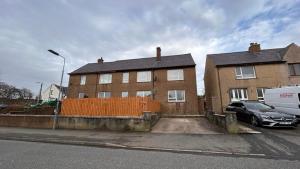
pixel 245 114
pixel 236 107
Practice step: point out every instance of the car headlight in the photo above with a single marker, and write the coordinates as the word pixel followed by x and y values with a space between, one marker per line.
pixel 265 117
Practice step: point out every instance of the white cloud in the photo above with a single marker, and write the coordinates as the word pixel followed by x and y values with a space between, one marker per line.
pixel 85 31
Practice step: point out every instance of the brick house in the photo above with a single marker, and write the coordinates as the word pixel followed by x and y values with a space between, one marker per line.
pixel 169 79
pixel 245 75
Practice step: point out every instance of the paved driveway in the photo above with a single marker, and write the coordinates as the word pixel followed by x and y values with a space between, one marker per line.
pixel 186 126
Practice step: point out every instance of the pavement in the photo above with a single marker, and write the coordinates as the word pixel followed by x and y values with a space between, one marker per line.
pixel 269 144
pixel 29 155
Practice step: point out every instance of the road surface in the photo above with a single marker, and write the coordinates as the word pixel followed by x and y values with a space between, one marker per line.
pixel 31 155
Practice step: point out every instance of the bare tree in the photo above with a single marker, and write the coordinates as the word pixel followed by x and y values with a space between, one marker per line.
pixel 26 93
pixel 11 92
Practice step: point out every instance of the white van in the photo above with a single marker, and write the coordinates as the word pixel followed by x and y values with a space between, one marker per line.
pixel 285 99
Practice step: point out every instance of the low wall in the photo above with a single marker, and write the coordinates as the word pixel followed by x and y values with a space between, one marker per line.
pixel 143 123
pixel 227 121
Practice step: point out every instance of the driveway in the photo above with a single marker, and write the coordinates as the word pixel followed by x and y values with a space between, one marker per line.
pixel 186 126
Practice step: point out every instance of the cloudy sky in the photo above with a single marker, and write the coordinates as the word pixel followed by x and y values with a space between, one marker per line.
pixel 83 31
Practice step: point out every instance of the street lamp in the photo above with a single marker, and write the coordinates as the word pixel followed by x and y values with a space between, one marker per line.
pixel 40 92
pixel 60 88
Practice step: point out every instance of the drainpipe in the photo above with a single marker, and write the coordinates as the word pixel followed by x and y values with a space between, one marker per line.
pixel 153 77
pixel 220 93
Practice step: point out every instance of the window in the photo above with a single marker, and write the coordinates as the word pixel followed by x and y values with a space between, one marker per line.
pixel 124 94
pixel 143 93
pixel 260 93
pixel 125 78
pixel 245 72
pixel 105 78
pixel 294 69
pixel 104 94
pixel 175 74
pixel 82 79
pixel 176 96
pixel 144 76
pixel 81 95
pixel 238 94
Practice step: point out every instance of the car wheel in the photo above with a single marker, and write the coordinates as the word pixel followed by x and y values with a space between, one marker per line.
pixel 254 121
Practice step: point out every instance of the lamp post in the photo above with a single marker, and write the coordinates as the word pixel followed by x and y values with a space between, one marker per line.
pixel 60 88
pixel 40 92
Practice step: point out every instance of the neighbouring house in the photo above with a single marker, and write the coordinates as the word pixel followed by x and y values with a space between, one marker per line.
pixel 171 80
pixel 52 92
pixel 245 75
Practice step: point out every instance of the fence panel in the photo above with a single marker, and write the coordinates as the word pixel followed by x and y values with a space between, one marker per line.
pixel 92 107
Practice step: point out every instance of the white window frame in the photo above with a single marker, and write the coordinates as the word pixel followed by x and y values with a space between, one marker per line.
pixel 175 74
pixel 143 76
pixel 175 99
pixel 124 94
pixel 144 93
pixel 242 75
pixel 125 77
pixel 105 78
pixel 106 94
pixel 243 91
pixel 82 79
pixel 263 93
pixel 81 95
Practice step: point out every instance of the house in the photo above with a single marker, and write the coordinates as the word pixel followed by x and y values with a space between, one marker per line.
pixel 51 93
pixel 169 79
pixel 245 75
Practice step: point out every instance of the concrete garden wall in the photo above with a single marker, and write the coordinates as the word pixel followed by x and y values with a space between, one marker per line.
pixel 227 120
pixel 143 123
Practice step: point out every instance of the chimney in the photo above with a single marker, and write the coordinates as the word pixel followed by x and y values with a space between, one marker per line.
pixel 100 60
pixel 158 53
pixel 254 48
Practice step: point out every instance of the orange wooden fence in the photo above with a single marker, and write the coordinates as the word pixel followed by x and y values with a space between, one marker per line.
pixel 130 106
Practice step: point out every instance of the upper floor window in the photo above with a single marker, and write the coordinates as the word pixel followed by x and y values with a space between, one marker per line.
pixel 245 72
pixel 238 94
pixel 294 69
pixel 144 76
pixel 105 78
pixel 82 79
pixel 176 96
pixel 143 93
pixel 260 93
pixel 125 78
pixel 176 74
pixel 104 94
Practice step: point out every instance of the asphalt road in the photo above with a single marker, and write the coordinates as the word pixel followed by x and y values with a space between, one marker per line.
pixel 29 155
pixel 276 143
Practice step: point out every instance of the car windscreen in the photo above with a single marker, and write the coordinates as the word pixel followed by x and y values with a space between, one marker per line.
pixel 257 106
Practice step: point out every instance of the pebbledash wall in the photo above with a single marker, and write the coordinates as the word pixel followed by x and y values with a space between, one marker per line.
pixel 160 86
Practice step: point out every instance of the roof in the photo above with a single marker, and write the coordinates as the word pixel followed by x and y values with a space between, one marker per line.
pixel 183 60
pixel 64 89
pixel 243 58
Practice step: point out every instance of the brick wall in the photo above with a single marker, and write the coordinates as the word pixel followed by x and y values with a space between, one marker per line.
pixel 160 87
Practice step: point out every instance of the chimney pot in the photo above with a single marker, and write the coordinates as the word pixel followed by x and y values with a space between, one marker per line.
pixel 254 48
pixel 158 53
pixel 100 60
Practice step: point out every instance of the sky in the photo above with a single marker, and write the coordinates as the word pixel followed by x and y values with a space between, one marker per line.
pixel 83 31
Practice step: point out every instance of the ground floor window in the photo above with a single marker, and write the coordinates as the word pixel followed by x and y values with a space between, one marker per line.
pixel 81 95
pixel 143 93
pixel 260 93
pixel 104 94
pixel 124 94
pixel 176 96
pixel 238 94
